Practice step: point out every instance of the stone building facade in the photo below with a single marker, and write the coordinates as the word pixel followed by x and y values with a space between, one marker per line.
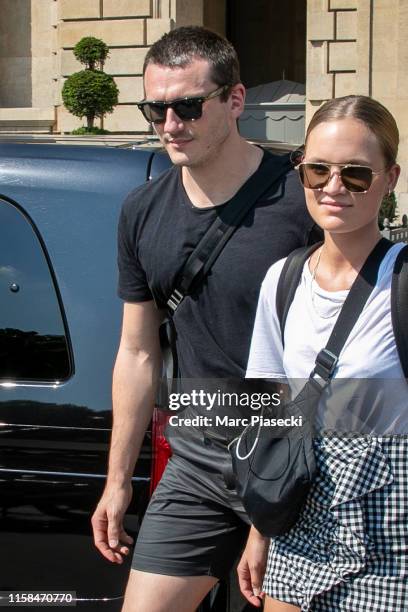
pixel 335 46
pixel 361 46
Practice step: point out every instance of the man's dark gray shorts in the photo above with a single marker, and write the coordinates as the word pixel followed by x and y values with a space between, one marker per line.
pixel 194 525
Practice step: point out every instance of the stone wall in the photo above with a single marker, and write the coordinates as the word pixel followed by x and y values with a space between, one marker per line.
pixel 26 66
pixel 15 54
pixel 332 65
pixel 128 27
pixel 36 42
pixel 360 46
pixel 43 47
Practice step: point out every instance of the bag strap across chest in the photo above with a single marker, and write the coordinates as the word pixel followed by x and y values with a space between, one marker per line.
pixel 291 275
pixel 200 261
pixel 227 221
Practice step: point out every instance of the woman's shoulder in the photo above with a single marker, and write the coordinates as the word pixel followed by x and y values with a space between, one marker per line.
pixel 270 283
pixel 272 276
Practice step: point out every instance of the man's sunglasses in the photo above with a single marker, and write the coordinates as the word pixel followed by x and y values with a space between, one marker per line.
pixel 355 178
pixel 187 109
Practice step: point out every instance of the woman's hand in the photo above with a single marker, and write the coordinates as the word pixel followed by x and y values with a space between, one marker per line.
pixel 251 568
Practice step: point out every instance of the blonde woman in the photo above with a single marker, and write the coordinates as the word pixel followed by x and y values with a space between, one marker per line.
pixel 349 549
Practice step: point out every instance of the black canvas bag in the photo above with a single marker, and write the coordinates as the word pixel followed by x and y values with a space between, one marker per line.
pixel 274 473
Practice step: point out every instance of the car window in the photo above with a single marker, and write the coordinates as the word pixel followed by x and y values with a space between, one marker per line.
pixel 33 342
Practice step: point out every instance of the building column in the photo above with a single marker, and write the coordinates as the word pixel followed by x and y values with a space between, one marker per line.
pixel 361 47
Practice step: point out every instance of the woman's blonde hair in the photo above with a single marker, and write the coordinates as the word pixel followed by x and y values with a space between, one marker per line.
pixel 373 114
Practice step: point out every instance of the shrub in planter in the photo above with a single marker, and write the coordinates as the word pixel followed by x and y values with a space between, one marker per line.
pixel 90 93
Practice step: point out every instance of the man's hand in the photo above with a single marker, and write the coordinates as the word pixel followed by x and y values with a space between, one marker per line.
pixel 251 568
pixel 107 523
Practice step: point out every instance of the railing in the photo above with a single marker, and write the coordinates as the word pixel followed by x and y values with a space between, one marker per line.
pixel 396 234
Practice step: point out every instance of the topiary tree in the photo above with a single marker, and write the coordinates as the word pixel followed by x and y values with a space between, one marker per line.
pixel 388 209
pixel 90 93
pixel 91 51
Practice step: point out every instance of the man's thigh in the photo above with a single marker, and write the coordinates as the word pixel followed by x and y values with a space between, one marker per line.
pixel 191 527
pixel 157 593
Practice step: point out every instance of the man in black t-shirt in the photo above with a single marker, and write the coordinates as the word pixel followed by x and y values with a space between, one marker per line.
pixel 194 527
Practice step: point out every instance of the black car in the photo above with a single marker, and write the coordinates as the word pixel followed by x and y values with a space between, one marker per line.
pixel 59 332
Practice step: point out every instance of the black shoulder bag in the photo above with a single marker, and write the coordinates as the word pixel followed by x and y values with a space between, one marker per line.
pixel 199 263
pixel 274 473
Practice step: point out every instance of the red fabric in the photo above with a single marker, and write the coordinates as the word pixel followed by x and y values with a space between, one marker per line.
pixel 161 451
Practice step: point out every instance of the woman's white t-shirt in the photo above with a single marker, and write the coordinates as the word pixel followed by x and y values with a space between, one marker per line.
pixel 360 403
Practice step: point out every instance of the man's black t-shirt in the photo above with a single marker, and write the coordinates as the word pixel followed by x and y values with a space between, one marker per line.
pixel 159 228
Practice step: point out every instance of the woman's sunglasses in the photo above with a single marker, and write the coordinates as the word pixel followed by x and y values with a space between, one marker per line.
pixel 356 179
pixel 187 109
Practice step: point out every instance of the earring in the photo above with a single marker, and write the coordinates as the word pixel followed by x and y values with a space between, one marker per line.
pixel 389 192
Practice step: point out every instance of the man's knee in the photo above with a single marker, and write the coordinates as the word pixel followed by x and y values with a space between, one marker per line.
pixel 160 593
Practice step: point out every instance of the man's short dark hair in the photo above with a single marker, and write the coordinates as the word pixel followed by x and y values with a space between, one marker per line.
pixel 179 47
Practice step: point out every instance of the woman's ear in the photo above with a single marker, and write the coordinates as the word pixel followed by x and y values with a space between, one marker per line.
pixel 393 174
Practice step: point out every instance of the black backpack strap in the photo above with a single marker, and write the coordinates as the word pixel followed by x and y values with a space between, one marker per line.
pixel 197 266
pixel 358 295
pixel 399 307
pixel 289 281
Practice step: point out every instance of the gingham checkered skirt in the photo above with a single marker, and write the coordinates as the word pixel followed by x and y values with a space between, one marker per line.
pixel 349 548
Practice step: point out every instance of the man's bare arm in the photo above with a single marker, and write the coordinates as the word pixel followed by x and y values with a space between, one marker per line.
pixel 135 380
